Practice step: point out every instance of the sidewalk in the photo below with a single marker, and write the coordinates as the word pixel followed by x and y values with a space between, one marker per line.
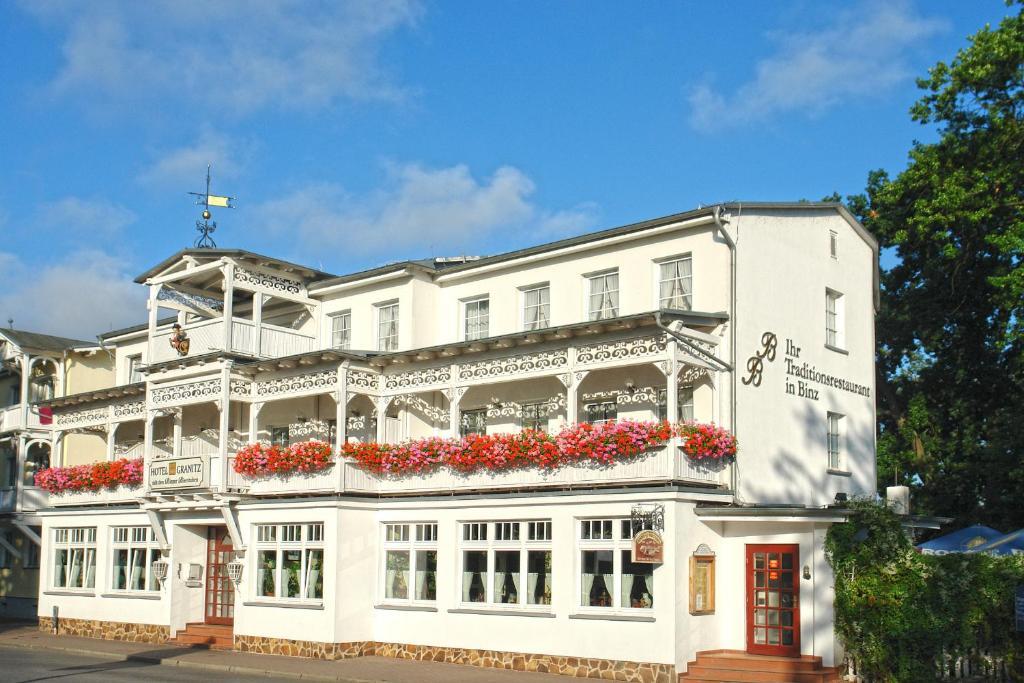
pixel 359 670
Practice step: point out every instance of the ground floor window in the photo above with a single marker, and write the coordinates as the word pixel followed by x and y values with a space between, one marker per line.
pixel 507 563
pixel 134 552
pixel 608 576
pixel 74 557
pixel 410 562
pixel 290 561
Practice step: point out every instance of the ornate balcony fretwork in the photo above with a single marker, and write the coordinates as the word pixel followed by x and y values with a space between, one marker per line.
pixel 625 349
pixel 136 410
pixel 313 382
pixel 240 388
pixel 182 394
pixel 86 417
pixel 266 281
pixel 418 405
pixel 510 366
pixel 362 382
pixel 415 379
pixel 692 374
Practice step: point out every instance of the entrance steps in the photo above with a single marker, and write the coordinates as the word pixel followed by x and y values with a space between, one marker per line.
pixel 730 666
pixel 211 636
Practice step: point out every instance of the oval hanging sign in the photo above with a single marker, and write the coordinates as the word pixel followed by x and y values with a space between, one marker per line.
pixel 648 548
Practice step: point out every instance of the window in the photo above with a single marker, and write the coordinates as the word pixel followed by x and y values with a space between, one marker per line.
pixel 6 558
pixel 135 551
pixel 604 296
pixel 534 416
pixel 341 330
pixel 134 373
pixel 675 283
pixel 834 452
pixel 833 319
pixel 833 244
pixel 473 422
pixel 387 327
pixel 684 404
pixel 410 562
pixel 608 576
pixel 290 561
pixel 511 566
pixel 31 557
pixel 279 436
pixel 536 307
pixel 601 412
pixel 37 458
pixel 476 314
pixel 74 557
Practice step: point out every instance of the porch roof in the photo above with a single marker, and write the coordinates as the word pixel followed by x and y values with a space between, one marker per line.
pixel 138 388
pixel 42 342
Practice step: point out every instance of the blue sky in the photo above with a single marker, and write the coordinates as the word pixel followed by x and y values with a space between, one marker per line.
pixel 359 133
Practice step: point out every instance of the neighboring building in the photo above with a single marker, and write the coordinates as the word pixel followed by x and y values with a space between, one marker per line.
pixel 33 368
pixel 758 317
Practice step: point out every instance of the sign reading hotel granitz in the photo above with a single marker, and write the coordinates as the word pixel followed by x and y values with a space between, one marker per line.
pixel 648 547
pixel 178 473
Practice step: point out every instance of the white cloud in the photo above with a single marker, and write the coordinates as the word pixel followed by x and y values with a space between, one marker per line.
pixel 863 53
pixel 232 53
pixel 186 166
pixel 418 211
pixel 86 293
pixel 84 217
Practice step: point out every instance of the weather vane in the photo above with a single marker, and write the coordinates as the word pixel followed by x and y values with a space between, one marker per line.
pixel 206 227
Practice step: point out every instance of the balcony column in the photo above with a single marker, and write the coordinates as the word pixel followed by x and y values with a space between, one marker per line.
pixel 19 474
pixel 111 438
pixel 176 432
pixel 147 447
pixel 382 403
pixel 225 418
pixel 154 310
pixel 56 448
pixel 26 370
pixel 254 421
pixel 341 409
pixel 454 396
pixel 229 301
pixel 571 381
pixel 257 324
pixel 671 368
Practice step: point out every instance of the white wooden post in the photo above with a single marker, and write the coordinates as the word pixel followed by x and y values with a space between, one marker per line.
pixel 225 421
pixel 147 448
pixel 672 383
pixel 254 421
pixel 111 438
pixel 56 446
pixel 229 302
pixel 26 370
pixel 154 309
pixel 257 324
pixel 382 404
pixel 176 432
pixel 341 409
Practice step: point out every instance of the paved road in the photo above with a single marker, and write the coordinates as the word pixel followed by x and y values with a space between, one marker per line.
pixel 19 665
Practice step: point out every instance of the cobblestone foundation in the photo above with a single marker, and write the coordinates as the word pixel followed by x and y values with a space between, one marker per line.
pixel 108 630
pixel 580 667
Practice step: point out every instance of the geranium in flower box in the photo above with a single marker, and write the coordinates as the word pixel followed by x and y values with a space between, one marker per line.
pixel 707 441
pixel 91 477
pixel 258 460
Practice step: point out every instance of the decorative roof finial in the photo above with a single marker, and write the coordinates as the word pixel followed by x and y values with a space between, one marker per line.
pixel 206 227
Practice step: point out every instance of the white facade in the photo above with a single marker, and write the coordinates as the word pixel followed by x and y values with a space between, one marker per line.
pixel 760 317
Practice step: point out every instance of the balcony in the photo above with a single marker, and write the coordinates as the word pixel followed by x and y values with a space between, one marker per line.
pixel 121 494
pixel 11 419
pixel 263 341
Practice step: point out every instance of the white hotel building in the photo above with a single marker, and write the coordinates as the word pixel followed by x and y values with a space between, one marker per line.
pixel 758 317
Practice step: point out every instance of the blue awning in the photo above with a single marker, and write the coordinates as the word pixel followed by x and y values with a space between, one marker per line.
pixel 962 541
pixel 1010 544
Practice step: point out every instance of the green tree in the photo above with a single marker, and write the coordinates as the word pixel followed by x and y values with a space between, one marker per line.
pixel 951 376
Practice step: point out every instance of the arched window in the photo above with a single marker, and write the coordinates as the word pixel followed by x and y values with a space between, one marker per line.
pixel 36 458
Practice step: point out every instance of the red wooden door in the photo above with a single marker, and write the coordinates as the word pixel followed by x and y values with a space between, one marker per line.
pixel 773 600
pixel 220 592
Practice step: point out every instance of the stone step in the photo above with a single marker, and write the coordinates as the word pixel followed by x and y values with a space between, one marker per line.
pixel 742 660
pixel 718 674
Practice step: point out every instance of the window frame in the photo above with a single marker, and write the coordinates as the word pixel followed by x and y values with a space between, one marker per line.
pixel 134 362
pixel 544 306
pixel 6 558
pixel 661 406
pixel 835 317
pixel 462 421
pixel 620 542
pixel 64 538
pixel 485 328
pixel 660 263
pixel 616 309
pixel 420 538
pixel 491 544
pixel 393 344
pixel 148 545
pixel 833 244
pixel 542 406
pixel 604 420
pixel 334 318
pixel 311 538
pixel 834 441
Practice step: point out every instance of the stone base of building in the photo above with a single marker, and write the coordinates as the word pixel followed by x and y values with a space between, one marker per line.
pixel 580 667
pixel 108 630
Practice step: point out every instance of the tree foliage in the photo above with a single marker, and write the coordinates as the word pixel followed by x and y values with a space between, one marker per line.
pixel 951 376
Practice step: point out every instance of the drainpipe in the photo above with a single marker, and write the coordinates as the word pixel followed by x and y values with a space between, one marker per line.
pixel 716 215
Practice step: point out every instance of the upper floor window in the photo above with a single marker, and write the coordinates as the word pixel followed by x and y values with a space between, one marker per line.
pixel 834 454
pixel 603 296
pixel 290 561
pixel 134 368
pixel 341 330
pixel 601 412
pixel 476 318
pixel 279 436
pixel 684 404
pixel 833 244
pixel 536 307
pixel 31 557
pixel 387 327
pixel 473 422
pixel 675 283
pixel 834 319
pixel 534 416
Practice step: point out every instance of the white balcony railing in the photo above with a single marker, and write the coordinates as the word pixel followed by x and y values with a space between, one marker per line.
pixel 207 336
pixel 10 418
pixel 121 494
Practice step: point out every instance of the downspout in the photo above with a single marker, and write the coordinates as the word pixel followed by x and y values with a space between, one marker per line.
pixel 716 215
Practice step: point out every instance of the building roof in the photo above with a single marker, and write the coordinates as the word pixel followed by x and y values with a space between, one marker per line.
pixel 42 342
pixel 237 253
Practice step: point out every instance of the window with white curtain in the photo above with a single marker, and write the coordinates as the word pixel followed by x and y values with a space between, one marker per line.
pixel 506 563
pixel 341 330
pixel 536 307
pixel 835 421
pixel 410 562
pixel 134 552
pixel 476 318
pixel 387 327
pixel 675 283
pixel 600 412
pixel 134 371
pixel 608 577
pixel 473 422
pixel 684 404
pixel 603 296
pixel 534 416
pixel 289 561
pixel 74 557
